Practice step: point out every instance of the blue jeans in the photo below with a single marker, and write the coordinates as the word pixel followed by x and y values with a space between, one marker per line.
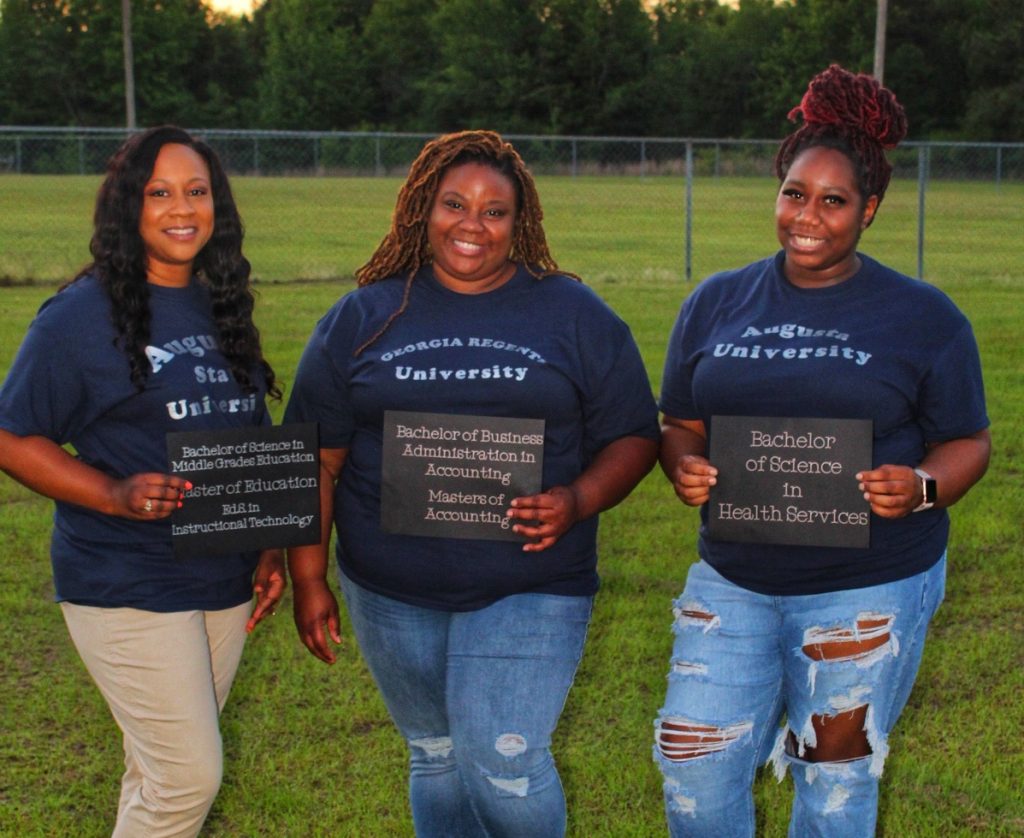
pixel 742 659
pixel 476 695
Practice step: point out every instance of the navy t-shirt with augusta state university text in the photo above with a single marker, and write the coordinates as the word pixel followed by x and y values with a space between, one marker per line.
pixel 71 384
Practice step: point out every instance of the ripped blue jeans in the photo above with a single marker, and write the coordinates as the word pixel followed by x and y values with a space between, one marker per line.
pixel 476 695
pixel 742 662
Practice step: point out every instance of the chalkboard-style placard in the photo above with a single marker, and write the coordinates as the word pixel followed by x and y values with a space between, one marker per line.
pixel 252 489
pixel 453 476
pixel 789 481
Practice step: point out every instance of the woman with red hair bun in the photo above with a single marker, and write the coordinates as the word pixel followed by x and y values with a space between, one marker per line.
pixel 802 655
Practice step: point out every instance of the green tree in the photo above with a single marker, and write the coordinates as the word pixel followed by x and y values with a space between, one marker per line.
pixel 995 71
pixel 594 56
pixel 815 34
pixel 315 73
pixel 486 71
pixel 402 52
pixel 709 66
pixel 33 81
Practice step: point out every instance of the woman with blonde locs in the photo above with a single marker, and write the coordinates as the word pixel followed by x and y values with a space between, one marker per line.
pixel 155 335
pixel 827 638
pixel 473 642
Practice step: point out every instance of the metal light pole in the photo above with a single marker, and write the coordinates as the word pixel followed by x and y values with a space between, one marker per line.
pixel 880 20
pixel 129 63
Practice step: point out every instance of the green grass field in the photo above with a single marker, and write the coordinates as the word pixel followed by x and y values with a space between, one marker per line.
pixel 310 750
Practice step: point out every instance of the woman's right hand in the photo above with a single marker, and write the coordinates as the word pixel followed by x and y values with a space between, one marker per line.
pixel 693 478
pixel 146 497
pixel 316 616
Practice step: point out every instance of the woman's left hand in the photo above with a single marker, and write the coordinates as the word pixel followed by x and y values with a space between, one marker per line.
pixel 550 514
pixel 892 491
pixel 268 585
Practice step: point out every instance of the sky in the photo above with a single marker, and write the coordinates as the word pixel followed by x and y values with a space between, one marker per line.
pixel 234 6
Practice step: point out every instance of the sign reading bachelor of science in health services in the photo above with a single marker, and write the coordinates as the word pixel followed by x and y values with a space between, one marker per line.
pixel 252 489
pixel 789 481
pixel 453 476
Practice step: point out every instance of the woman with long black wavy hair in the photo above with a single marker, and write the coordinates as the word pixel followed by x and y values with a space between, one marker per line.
pixel 154 335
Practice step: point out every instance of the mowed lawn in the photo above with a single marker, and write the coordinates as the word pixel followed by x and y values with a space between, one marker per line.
pixel 309 748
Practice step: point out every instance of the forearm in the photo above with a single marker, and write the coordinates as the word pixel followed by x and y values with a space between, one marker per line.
pixel 679 438
pixel 46 468
pixel 613 474
pixel 309 563
pixel 957 465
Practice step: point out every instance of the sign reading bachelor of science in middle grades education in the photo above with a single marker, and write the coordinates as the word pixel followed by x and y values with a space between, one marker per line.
pixel 253 488
pixel 789 481
pixel 453 476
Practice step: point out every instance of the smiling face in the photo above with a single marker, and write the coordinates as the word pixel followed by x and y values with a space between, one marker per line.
pixel 470 228
pixel 819 216
pixel 177 215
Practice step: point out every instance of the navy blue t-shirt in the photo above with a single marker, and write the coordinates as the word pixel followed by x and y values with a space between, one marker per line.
pixel 542 349
pixel 879 346
pixel 69 383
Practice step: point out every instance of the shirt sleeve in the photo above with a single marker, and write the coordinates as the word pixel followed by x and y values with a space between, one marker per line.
pixel 952 396
pixel 618 400
pixel 45 392
pixel 321 392
pixel 677 377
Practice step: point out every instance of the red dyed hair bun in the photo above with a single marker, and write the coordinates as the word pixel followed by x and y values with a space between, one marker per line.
pixel 855 102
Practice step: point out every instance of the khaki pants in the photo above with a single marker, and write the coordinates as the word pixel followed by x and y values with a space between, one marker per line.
pixel 165 677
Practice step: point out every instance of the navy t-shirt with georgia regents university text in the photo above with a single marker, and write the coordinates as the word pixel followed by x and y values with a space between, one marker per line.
pixel 535 349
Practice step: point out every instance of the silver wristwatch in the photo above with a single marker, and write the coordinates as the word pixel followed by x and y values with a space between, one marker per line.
pixel 929 490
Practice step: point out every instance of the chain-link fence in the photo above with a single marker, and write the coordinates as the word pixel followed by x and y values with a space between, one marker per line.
pixel 55 151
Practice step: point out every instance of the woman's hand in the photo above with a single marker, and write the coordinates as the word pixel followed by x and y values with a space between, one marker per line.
pixel 268 585
pixel 956 465
pixel 692 479
pixel 316 617
pixel 892 491
pixel 46 468
pixel 550 515
pixel 146 497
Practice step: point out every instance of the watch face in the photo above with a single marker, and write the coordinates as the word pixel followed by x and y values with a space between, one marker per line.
pixel 930 491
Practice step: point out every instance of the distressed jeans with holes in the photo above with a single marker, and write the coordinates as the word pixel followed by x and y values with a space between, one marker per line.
pixel 743 661
pixel 476 695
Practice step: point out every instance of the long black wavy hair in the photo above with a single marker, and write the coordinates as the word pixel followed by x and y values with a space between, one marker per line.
pixel 119 259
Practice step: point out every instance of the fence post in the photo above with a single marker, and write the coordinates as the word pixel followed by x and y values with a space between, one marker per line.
pixel 574 157
pixel 922 181
pixel 256 154
pixel 17 154
pixel 643 158
pixel 689 210
pixel 999 165
pixel 377 168
pixel 316 156
pixel 81 156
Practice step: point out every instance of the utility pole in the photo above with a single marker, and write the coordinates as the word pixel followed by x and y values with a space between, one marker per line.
pixel 880 21
pixel 129 63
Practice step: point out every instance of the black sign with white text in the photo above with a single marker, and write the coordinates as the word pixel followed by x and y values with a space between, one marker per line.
pixel 252 489
pixel 453 476
pixel 789 481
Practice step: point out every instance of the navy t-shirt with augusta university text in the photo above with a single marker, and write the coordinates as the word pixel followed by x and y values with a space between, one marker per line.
pixel 541 349
pixel 879 346
pixel 69 383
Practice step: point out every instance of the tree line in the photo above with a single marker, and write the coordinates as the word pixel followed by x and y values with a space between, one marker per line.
pixel 681 68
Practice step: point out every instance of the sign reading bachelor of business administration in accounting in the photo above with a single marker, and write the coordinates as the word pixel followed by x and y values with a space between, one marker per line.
pixel 453 476
pixel 253 488
pixel 789 481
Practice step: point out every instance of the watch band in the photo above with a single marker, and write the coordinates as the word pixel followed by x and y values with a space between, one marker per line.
pixel 929 490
